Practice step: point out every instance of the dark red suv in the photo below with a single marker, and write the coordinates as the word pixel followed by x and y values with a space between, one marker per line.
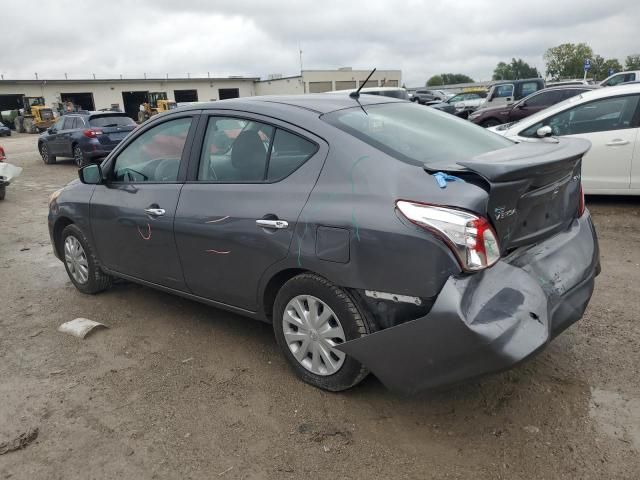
pixel 492 116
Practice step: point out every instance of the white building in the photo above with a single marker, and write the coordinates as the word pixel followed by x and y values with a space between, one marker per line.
pixel 128 94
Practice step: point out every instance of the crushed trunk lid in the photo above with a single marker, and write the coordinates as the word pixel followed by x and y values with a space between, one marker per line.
pixel 534 188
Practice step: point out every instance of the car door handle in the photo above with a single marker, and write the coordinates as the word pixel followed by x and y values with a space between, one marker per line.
pixel 155 212
pixel 617 142
pixel 272 223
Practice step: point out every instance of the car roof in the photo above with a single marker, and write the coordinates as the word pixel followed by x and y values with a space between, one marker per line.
pixel 589 95
pixel 315 102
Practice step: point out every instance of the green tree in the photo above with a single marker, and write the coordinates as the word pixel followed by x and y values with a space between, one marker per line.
pixel 632 62
pixel 448 79
pixel 611 64
pixel 567 60
pixel 515 70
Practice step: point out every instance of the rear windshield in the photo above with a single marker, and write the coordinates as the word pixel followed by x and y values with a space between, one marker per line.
pixel 111 121
pixel 416 134
pixel 401 94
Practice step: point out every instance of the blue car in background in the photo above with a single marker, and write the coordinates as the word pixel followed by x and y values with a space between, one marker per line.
pixel 86 137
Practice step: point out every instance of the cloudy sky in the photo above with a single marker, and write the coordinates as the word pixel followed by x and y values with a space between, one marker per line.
pixel 255 38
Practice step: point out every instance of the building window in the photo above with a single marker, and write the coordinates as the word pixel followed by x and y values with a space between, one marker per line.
pixel 319 87
pixel 390 83
pixel 224 93
pixel 370 84
pixel 185 95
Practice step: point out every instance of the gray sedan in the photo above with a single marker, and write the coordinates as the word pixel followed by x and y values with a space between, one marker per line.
pixel 374 234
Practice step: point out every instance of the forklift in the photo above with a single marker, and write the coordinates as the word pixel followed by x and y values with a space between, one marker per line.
pixel 34 117
pixel 159 103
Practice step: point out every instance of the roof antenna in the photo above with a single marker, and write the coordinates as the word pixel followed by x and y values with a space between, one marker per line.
pixel 356 94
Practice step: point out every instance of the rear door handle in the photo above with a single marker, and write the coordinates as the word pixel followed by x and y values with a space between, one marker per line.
pixel 617 142
pixel 272 223
pixel 155 212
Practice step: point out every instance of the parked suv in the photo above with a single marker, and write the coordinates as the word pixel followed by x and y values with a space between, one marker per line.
pixel 86 137
pixel 423 96
pixel 620 77
pixel 509 91
pixel 492 116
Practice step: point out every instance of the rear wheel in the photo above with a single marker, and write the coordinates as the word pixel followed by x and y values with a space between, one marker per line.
pixel 311 316
pixel 492 122
pixel 78 156
pixel 46 154
pixel 3 192
pixel 81 262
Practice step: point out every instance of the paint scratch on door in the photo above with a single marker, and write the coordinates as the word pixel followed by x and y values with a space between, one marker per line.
pixel 148 235
pixel 217 220
pixel 219 252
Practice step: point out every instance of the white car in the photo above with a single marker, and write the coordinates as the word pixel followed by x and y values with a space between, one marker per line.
pixel 610 119
pixel 621 77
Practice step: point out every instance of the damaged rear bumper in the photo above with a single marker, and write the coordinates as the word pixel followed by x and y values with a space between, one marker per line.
pixel 491 320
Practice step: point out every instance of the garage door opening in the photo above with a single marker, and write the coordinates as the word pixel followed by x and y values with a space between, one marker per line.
pixel 224 93
pixel 81 101
pixel 12 101
pixel 185 95
pixel 132 102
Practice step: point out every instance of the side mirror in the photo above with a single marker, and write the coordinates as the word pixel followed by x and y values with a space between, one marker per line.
pixel 90 174
pixel 521 105
pixel 545 131
pixel 51 130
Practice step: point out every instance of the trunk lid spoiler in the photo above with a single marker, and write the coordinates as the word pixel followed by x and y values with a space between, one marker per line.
pixel 534 188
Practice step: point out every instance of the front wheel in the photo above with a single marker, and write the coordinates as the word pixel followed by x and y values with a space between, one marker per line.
pixel 490 123
pixel 3 192
pixel 47 158
pixel 81 262
pixel 311 316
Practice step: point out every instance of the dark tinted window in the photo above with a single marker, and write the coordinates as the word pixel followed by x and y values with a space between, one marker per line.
pixel 155 155
pixel 615 113
pixel 415 134
pixel 544 99
pixel 529 87
pixel 289 151
pixel 111 121
pixel 235 150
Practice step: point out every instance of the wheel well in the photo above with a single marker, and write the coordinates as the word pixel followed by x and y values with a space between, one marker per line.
pixel 273 287
pixel 490 119
pixel 59 226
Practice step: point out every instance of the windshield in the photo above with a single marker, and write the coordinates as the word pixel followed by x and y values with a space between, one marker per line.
pixel 111 121
pixel 415 134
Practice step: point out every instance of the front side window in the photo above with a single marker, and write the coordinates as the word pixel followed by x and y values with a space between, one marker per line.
pixel 59 124
pixel 615 80
pixel 237 150
pixel 607 114
pixel 502 91
pixel 155 155
pixel 414 134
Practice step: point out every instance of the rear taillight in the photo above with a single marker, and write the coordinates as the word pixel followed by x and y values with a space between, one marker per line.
pixel 469 236
pixel 581 205
pixel 92 132
pixel 2 155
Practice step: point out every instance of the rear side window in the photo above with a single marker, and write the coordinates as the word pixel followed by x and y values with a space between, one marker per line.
pixel 529 87
pixel 415 134
pixel 288 153
pixel 111 121
pixel 545 99
pixel 603 115
pixel 155 155
pixel 78 123
pixel 238 150
pixel 68 123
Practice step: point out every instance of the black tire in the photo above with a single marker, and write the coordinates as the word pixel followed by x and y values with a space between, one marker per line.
pixel 78 156
pixel 491 122
pixel 3 192
pixel 97 281
pixel 354 325
pixel 47 157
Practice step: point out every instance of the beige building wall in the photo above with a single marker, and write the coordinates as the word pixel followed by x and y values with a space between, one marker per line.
pixel 280 86
pixel 106 92
pixel 316 81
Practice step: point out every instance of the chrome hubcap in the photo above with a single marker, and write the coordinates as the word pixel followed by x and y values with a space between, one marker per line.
pixel 76 259
pixel 311 331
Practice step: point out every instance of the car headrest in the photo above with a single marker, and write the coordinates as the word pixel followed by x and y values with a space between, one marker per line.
pixel 248 154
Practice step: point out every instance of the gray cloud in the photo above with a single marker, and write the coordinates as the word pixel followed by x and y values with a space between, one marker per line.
pixel 248 37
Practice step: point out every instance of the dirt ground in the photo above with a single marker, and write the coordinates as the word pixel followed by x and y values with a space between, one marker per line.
pixel 175 389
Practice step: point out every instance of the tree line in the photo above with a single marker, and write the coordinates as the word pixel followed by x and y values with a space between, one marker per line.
pixel 564 61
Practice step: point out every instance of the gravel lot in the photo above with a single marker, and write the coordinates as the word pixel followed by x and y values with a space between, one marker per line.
pixel 175 389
